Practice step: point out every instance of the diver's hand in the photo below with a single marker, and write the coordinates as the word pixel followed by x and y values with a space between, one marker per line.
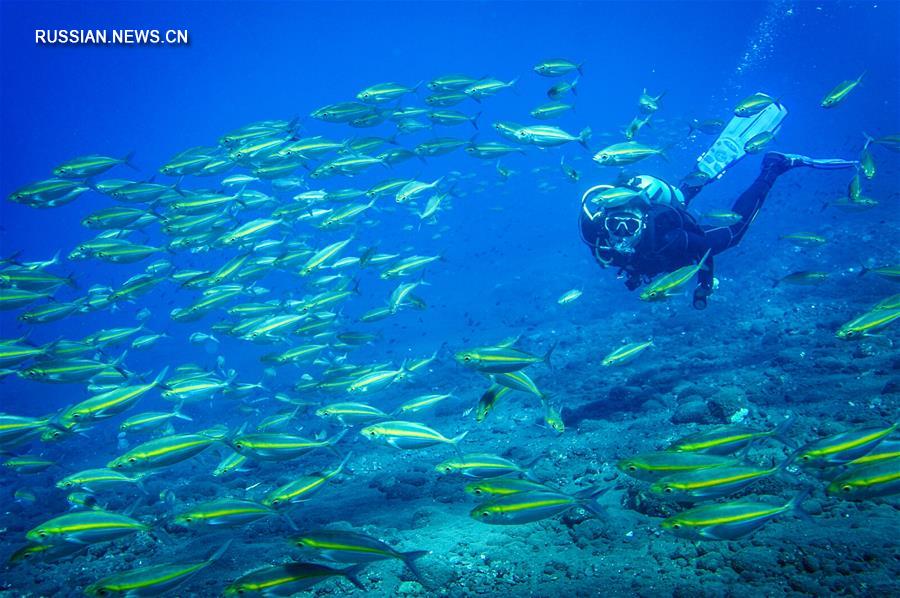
pixel 700 295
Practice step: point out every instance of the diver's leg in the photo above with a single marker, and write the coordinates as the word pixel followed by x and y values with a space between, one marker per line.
pixel 774 164
pixel 751 200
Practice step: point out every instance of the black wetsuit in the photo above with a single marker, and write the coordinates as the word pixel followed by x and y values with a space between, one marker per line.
pixel 673 238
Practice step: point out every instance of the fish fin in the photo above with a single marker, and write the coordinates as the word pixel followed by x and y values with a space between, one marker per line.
pixel 351 574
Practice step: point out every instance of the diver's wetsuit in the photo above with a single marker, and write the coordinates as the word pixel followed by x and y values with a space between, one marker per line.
pixel 673 238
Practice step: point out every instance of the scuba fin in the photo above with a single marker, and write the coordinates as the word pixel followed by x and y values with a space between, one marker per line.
pixel 729 147
pixel 820 163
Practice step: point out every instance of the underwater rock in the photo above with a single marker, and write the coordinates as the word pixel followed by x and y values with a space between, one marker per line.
pixel 693 412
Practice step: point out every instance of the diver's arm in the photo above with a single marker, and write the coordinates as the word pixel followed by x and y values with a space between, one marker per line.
pixel 698 245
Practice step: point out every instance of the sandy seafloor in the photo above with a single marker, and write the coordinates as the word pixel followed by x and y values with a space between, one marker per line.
pixel 755 355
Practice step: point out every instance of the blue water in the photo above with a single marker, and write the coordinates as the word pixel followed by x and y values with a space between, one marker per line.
pixel 509 248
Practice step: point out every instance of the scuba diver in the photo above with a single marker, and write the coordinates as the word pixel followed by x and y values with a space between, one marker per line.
pixel 644 229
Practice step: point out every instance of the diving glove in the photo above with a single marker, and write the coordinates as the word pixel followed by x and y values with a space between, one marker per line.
pixel 700 295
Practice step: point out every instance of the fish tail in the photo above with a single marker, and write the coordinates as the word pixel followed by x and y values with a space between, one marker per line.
pixel 331 442
pixel 289 521
pixel 580 69
pixel 163 536
pixel 218 553
pixel 780 433
pixel 474 120
pixel 664 152
pixel 869 140
pixel 796 504
pixel 160 377
pixel 128 160
pixel 340 466
pixel 410 558
pixel 177 413
pixel 528 467
pixel 574 86
pixel 546 358
pixel 588 500
pixel 584 137
pixel 703 261
pixel 455 442
pixel 351 574
pixel 117 364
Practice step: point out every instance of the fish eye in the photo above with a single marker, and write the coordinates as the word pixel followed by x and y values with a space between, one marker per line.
pixel 632 468
pixel 42 534
pixel 676 526
pixel 804 458
pixel 484 513
pixel 76 415
pixel 845 488
pixel 101 592
pixel 667 490
pixel 132 460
